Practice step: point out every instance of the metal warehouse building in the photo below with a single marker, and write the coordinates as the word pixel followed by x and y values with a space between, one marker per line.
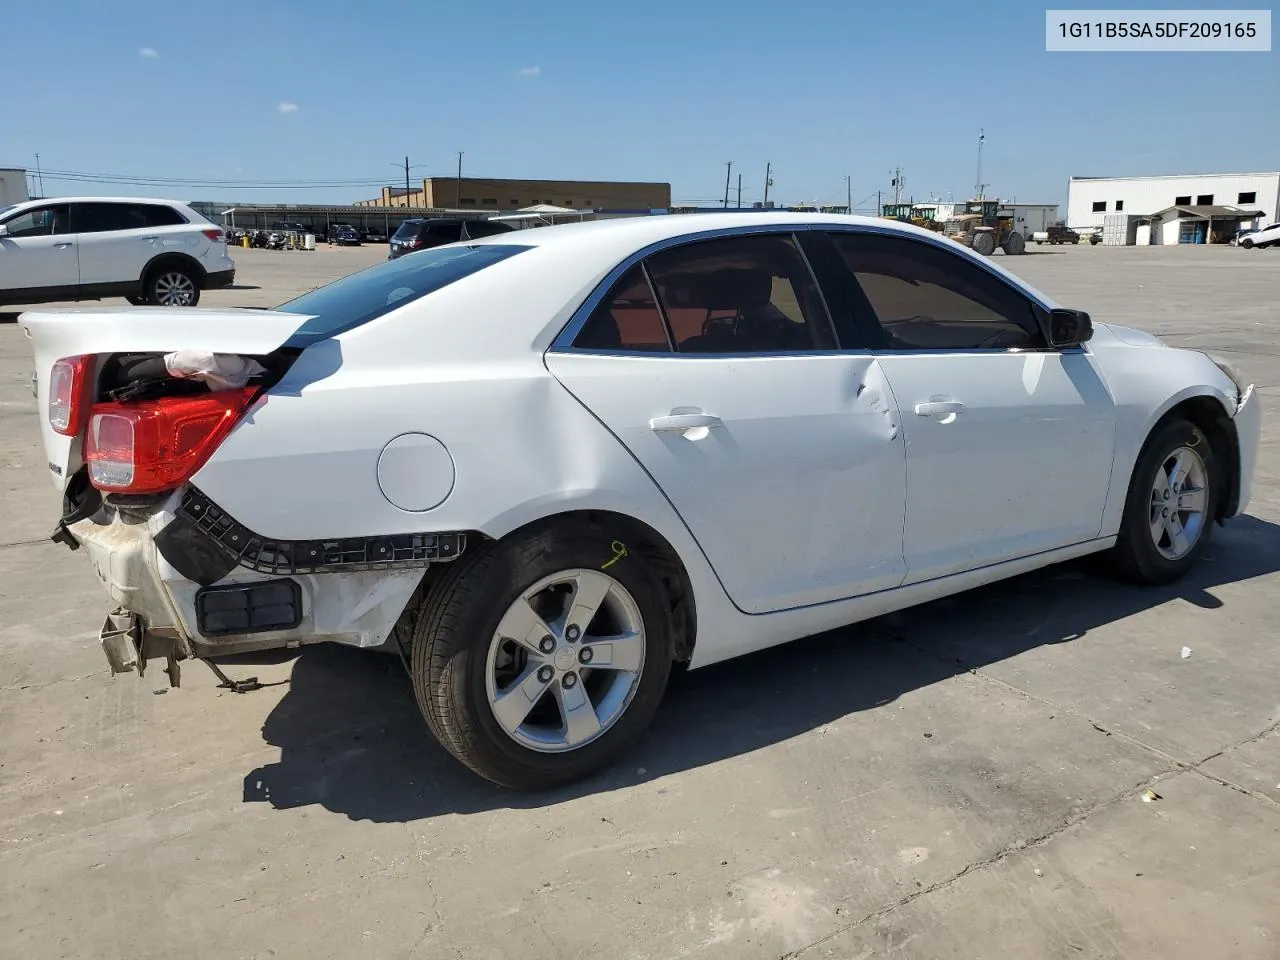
pixel 1091 199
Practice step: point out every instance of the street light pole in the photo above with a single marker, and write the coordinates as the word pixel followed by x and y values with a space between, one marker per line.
pixel 458 198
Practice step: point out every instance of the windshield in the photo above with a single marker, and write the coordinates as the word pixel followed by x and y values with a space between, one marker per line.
pixel 355 300
pixel 5 208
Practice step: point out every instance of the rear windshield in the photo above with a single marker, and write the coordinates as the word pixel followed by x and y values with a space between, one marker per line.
pixel 408 229
pixel 367 295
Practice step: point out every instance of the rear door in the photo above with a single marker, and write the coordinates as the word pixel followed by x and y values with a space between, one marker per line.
pixel 40 250
pixel 119 239
pixel 715 364
pixel 1009 442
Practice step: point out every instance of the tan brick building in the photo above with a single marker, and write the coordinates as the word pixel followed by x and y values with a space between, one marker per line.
pixel 480 194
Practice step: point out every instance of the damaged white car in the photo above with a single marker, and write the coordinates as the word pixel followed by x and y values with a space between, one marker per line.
pixel 548 465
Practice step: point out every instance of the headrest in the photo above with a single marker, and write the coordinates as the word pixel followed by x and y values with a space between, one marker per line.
pixel 717 290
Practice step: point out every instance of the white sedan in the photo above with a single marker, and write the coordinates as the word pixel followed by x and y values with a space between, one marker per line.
pixel 548 465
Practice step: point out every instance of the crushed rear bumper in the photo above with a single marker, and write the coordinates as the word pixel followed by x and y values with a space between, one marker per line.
pixel 219 589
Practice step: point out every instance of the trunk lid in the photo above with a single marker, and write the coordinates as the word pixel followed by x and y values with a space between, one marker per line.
pixel 56 334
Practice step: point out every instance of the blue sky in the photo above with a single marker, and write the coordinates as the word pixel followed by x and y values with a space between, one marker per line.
pixel 659 90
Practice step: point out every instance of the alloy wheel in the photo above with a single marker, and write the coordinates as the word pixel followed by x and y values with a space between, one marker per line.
pixel 565 660
pixel 1179 503
pixel 174 289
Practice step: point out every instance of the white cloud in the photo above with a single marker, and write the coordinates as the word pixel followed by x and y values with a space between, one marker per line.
pixel 286 107
pixel 530 71
pixel 149 53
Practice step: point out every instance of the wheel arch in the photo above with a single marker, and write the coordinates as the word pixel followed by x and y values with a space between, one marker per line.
pixel 1207 412
pixel 170 258
pixel 641 539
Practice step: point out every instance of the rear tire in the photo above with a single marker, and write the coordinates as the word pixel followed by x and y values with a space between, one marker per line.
pixel 1015 244
pixel 466 663
pixel 1159 541
pixel 173 285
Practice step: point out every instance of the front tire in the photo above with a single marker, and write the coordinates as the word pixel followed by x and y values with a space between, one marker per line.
pixel 540 659
pixel 1247 243
pixel 1171 503
pixel 984 243
pixel 173 286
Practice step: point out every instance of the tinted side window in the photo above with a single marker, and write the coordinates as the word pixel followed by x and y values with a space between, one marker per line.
pixel 101 217
pixel 448 232
pixel 155 215
pixel 925 298
pixel 481 228
pixel 741 295
pixel 627 319
pixel 41 222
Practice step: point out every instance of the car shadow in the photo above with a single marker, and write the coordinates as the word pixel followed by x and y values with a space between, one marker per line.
pixel 10 316
pixel 351 738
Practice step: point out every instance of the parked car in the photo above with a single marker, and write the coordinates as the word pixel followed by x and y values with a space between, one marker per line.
pixel 344 235
pixel 376 235
pixel 563 460
pixel 86 248
pixel 424 233
pixel 290 226
pixel 1266 237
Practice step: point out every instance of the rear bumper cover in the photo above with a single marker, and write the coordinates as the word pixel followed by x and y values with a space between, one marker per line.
pixel 220 278
pixel 353 604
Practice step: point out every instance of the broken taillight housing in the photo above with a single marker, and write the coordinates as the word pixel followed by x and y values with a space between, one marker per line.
pixel 70 381
pixel 156 445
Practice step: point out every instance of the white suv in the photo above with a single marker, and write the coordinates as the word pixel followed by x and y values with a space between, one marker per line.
pixel 85 248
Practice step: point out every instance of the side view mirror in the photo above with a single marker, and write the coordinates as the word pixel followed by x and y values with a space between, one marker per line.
pixel 1069 328
pixel 4 230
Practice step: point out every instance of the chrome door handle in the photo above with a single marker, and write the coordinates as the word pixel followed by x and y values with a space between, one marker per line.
pixel 63 245
pixel 939 408
pixel 150 239
pixel 679 422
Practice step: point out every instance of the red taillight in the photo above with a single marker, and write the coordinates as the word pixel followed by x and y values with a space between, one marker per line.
pixel 214 235
pixel 70 381
pixel 157 445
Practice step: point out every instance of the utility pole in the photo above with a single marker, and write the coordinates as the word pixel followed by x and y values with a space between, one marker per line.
pixel 768 182
pixel 739 191
pixel 406 182
pixel 459 191
pixel 982 135
pixel 879 208
pixel 848 194
pixel 897 185
pixel 727 173
pixel 39 176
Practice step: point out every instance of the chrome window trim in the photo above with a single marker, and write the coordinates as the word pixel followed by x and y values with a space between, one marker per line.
pixel 563 342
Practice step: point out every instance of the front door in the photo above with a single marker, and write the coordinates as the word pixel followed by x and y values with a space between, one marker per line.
pixel 784 458
pixel 1009 444
pixel 39 252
